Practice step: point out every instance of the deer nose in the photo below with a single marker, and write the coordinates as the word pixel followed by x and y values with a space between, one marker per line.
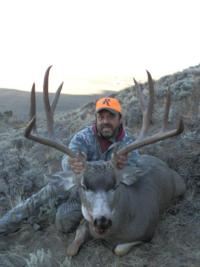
pixel 102 222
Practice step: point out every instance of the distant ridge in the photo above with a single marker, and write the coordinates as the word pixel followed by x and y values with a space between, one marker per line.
pixel 18 101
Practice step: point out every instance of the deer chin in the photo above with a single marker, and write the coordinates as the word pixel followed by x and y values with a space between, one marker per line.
pixel 100 231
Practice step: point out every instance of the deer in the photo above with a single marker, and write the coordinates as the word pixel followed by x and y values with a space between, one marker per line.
pixel 122 207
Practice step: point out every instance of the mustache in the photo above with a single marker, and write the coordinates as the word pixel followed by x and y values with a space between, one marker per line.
pixel 107 125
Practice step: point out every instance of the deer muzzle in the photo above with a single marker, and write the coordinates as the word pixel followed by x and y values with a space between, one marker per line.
pixel 102 224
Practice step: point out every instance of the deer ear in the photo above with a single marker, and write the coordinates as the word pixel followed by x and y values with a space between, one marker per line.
pixel 129 175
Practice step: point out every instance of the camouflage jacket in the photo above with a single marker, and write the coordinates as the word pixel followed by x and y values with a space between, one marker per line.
pixel 97 148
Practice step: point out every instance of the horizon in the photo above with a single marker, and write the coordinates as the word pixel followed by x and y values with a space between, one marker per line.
pixel 41 92
pixel 99 89
pixel 94 45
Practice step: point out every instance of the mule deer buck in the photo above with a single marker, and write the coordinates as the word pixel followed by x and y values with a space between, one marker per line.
pixel 122 207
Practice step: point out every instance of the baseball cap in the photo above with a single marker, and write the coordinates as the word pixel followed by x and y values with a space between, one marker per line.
pixel 108 103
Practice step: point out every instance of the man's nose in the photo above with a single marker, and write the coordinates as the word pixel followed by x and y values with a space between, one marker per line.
pixel 105 120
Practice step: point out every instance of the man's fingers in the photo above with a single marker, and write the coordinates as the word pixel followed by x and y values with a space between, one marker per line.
pixel 121 161
pixel 78 164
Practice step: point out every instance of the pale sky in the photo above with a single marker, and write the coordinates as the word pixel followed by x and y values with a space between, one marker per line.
pixel 95 44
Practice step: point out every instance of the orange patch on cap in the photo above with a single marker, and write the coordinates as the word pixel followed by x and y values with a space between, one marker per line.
pixel 108 103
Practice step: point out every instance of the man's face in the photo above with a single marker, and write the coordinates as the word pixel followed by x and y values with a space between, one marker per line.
pixel 107 123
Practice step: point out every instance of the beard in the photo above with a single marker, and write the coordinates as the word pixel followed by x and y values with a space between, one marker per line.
pixel 106 130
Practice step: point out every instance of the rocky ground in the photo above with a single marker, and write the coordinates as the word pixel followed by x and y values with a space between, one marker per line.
pixel 26 167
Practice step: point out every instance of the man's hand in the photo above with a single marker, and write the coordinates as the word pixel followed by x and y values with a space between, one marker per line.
pixel 121 160
pixel 78 163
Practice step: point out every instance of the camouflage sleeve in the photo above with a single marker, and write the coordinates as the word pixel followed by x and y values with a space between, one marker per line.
pixel 38 207
pixel 78 144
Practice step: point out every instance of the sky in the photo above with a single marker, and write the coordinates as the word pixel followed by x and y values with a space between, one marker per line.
pixel 95 45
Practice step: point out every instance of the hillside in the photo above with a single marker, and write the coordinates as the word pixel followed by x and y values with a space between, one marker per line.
pixel 18 101
pixel 25 167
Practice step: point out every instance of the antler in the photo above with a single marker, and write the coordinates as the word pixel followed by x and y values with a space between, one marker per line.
pixel 147 110
pixel 33 107
pixel 46 141
pixel 49 108
pixel 153 139
pixel 49 114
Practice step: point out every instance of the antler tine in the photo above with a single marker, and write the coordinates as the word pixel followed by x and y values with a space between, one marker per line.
pixel 153 139
pixel 140 95
pixel 47 106
pixel 167 108
pixel 46 141
pixel 33 106
pixel 50 108
pixel 151 96
pixel 55 100
pixel 29 127
pixel 147 108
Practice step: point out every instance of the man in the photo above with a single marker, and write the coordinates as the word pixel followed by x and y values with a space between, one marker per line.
pixel 98 141
pixel 95 144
